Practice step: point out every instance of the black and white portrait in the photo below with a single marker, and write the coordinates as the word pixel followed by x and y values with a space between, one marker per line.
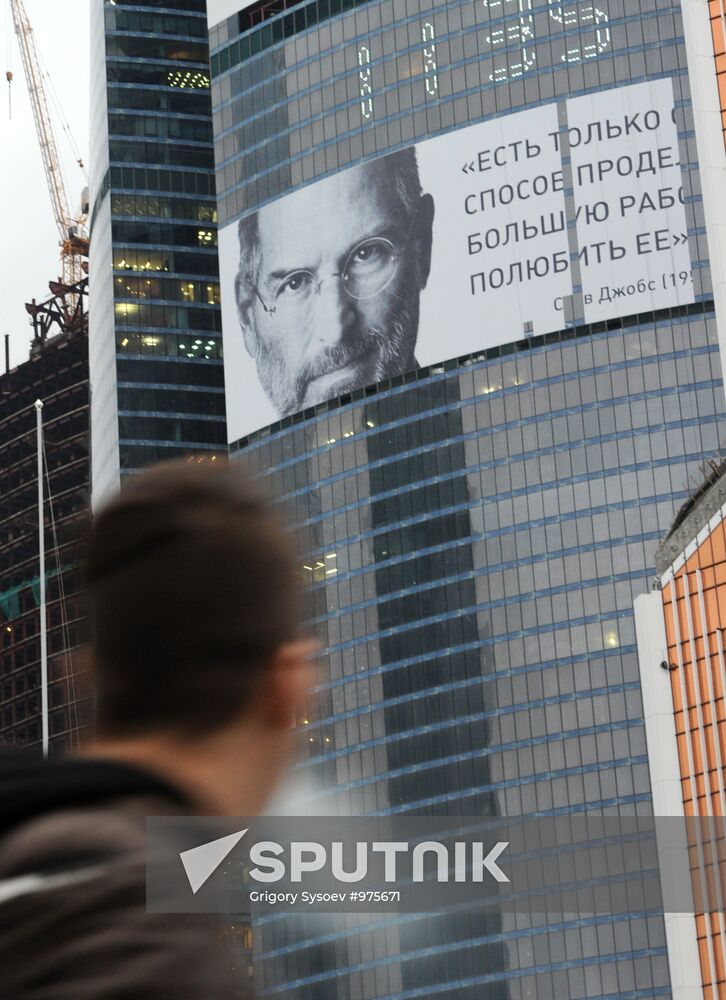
pixel 330 280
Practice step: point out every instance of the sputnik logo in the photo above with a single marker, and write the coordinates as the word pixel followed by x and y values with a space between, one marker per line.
pixel 306 858
pixel 200 863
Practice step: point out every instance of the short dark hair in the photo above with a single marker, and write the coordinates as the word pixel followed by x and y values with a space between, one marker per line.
pixel 193 584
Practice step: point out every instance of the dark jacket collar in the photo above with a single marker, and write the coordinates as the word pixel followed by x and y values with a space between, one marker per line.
pixel 30 786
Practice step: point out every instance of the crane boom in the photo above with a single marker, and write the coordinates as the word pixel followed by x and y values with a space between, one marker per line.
pixel 67 226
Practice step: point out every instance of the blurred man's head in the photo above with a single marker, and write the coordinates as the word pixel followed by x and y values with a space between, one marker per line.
pixel 330 279
pixel 195 610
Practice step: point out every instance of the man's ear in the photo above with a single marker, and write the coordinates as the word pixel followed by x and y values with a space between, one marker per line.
pixel 245 302
pixel 288 679
pixel 423 236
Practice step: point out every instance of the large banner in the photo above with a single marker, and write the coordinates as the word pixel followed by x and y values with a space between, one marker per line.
pixel 569 213
pixel 220 10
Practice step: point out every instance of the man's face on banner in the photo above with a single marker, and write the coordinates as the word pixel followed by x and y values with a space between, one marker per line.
pixel 331 302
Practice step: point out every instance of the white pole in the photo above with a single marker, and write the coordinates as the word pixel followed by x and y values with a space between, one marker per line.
pixel 41 559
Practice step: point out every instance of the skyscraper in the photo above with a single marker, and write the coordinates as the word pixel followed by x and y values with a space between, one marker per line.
pixel 472 337
pixel 155 355
pixel 56 374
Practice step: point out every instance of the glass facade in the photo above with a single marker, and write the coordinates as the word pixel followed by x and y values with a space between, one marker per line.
pixel 288 92
pixel 474 532
pixel 155 346
pixel 475 539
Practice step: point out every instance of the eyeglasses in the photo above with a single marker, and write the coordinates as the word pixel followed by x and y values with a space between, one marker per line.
pixel 368 270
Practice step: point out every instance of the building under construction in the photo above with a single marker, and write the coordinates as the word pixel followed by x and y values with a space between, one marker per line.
pixel 57 374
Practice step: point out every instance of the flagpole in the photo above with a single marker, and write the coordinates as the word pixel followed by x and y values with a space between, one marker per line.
pixel 41 559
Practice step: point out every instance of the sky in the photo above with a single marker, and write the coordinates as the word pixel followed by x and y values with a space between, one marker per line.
pixel 29 252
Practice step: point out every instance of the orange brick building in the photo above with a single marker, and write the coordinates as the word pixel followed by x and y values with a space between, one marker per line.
pixel 682 649
pixel 717 13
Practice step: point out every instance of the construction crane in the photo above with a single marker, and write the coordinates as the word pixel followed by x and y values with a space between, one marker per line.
pixel 73 240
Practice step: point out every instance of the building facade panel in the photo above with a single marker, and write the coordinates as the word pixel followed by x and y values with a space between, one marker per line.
pixel 687 677
pixel 718 29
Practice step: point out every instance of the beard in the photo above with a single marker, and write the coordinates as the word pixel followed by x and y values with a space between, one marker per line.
pixel 363 358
